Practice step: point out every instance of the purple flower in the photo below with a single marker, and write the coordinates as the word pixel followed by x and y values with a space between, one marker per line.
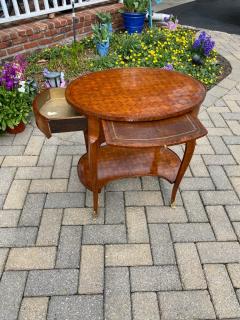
pixel 9 84
pixel 168 66
pixel 208 45
pixel 196 44
pixel 171 22
pixel 202 36
pixel 172 25
pixel 203 45
pixel 12 73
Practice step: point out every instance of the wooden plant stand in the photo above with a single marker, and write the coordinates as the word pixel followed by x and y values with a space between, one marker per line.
pixel 138 112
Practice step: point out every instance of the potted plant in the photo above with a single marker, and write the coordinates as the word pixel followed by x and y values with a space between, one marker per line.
pixel 134 15
pixel 202 48
pixel 105 18
pixel 16 95
pixel 101 38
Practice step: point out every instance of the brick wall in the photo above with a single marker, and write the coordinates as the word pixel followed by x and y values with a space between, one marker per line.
pixel 31 36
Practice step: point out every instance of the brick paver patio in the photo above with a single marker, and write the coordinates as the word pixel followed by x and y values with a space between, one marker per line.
pixel 141 259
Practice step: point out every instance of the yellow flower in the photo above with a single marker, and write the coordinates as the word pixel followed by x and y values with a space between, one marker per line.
pixel 152 52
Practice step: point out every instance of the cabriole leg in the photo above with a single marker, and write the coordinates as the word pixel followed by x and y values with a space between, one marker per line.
pixel 93 146
pixel 189 149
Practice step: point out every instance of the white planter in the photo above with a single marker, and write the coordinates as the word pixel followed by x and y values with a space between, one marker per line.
pixel 159 16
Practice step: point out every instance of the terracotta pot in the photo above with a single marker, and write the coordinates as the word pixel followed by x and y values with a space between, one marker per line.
pixel 19 128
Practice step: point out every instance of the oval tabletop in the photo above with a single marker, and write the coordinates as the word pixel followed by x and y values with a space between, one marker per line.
pixel 135 94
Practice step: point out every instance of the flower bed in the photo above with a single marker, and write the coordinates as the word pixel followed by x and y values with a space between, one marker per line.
pixel 156 47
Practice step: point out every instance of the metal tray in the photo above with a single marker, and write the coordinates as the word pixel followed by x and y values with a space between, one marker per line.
pixel 53 114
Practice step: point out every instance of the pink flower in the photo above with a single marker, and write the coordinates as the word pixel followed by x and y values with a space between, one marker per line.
pixel 172 25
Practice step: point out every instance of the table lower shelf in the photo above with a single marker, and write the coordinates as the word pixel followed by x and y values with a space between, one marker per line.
pixel 119 162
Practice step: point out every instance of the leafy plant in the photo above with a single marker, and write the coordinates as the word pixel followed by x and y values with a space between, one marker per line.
pixel 126 43
pixel 135 5
pixel 102 63
pixel 104 17
pixel 15 107
pixel 16 93
pixel 100 33
pixel 202 48
pixel 203 45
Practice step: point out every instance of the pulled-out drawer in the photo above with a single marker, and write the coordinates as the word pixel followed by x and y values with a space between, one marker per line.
pixel 53 114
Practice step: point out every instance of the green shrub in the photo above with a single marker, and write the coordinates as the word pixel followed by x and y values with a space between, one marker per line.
pixel 15 107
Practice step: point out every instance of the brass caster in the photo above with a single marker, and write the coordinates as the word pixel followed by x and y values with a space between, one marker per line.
pixel 95 215
pixel 173 205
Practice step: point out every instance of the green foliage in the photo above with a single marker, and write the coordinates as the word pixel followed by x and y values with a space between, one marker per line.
pixel 158 47
pixel 136 5
pixel 67 58
pixel 154 47
pixel 100 33
pixel 104 17
pixel 126 42
pixel 15 107
pixel 63 52
pixel 102 63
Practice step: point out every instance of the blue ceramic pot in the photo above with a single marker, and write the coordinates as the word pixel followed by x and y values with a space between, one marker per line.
pixel 102 48
pixel 110 28
pixel 134 21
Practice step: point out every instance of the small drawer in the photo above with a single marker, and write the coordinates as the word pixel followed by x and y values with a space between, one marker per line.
pixel 53 114
pixel 171 131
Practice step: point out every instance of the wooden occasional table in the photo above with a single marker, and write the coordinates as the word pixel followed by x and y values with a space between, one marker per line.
pixel 138 112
